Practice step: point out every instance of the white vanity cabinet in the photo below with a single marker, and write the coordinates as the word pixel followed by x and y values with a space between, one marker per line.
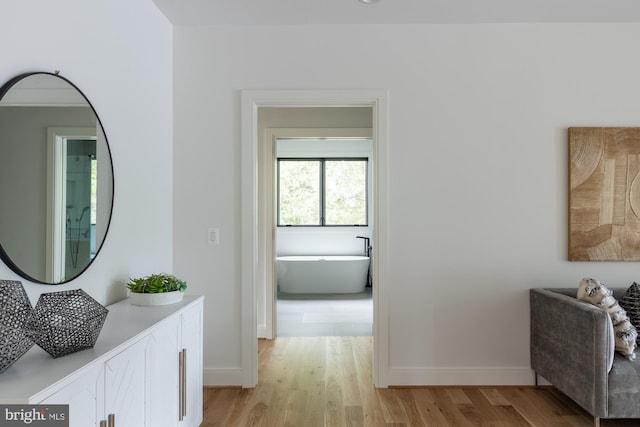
pixel 144 371
pixel 191 346
pixel 177 351
pixel 84 395
pixel 126 387
pixel 165 388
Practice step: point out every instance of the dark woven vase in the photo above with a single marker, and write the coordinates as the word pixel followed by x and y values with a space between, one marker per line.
pixel 15 312
pixel 66 322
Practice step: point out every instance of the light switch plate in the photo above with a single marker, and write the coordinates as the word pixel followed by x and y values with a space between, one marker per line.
pixel 213 236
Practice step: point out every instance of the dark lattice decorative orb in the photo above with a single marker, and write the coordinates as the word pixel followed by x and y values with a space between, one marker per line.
pixel 67 321
pixel 15 312
pixel 630 301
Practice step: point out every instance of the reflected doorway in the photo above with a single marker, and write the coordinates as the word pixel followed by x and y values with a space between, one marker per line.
pixel 73 190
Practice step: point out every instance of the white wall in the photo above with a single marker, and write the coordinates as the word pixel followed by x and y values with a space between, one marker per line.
pixel 477 172
pixel 119 53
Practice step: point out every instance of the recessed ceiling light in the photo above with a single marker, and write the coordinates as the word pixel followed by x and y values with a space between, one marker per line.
pixel 368 1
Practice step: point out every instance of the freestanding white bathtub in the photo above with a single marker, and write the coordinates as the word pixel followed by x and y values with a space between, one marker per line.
pixel 317 274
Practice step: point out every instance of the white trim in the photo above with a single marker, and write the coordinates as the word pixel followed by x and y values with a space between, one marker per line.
pixel 221 377
pixel 251 100
pixel 267 242
pixel 63 96
pixel 346 132
pixel 379 271
pixel 265 330
pixel 57 195
pixel 491 376
pixel 249 238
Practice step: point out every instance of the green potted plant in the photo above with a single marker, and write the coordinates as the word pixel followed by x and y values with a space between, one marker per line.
pixel 156 289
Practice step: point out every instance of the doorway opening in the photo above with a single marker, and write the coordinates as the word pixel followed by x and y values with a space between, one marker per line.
pixel 258 252
pixel 321 185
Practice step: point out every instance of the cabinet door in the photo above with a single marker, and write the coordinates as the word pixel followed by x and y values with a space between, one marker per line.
pixel 164 371
pixel 126 387
pixel 84 397
pixel 191 341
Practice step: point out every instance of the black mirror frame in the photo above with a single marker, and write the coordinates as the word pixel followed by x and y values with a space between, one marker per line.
pixel 3 255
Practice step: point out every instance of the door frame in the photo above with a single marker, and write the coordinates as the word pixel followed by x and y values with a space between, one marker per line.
pixel 57 138
pixel 251 101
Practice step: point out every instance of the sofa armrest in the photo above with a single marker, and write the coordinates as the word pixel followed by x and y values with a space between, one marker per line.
pixel 570 346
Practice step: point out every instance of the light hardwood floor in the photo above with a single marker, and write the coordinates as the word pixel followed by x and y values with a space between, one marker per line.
pixel 327 381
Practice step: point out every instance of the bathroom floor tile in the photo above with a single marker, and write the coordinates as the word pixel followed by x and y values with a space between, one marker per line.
pixel 310 315
pixel 356 316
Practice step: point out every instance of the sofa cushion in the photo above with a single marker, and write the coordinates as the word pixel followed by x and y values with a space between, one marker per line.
pixel 595 292
pixel 623 391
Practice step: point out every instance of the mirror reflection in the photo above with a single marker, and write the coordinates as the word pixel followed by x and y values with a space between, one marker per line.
pixel 56 179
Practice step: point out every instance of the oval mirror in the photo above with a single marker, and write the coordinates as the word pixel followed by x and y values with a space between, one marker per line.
pixel 56 179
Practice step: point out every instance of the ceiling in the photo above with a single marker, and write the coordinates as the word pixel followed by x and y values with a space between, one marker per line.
pixel 305 12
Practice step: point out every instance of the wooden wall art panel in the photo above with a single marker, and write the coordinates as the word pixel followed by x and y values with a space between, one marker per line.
pixel 604 194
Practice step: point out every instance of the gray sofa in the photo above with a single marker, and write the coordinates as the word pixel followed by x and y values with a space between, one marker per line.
pixel 570 348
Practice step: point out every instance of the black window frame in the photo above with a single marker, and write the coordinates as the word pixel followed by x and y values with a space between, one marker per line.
pixel 322 178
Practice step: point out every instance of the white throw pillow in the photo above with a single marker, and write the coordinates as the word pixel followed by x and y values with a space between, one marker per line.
pixel 597 294
pixel 611 348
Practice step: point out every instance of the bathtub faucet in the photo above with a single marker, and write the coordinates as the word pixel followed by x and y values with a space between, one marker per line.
pixel 367 246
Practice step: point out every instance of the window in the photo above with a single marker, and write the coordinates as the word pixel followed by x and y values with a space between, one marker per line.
pixel 322 192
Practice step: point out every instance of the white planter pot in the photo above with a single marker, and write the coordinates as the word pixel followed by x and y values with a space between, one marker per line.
pixel 155 299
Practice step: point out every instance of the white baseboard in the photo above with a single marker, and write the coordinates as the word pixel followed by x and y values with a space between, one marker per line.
pixel 410 377
pixel 264 332
pixel 222 377
pixel 461 376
